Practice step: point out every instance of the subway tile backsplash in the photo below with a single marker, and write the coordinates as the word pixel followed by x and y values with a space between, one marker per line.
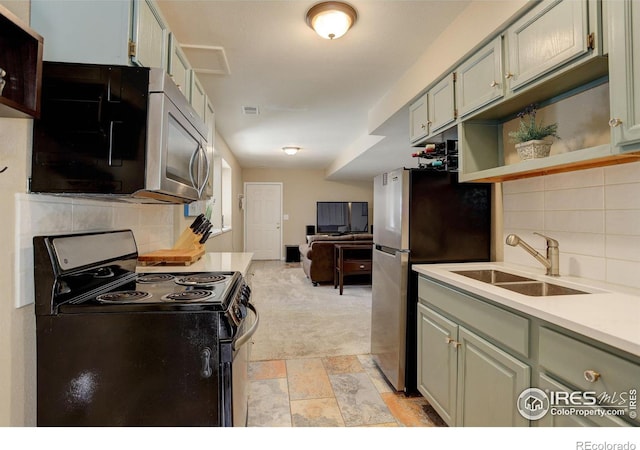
pixel 152 226
pixel 594 214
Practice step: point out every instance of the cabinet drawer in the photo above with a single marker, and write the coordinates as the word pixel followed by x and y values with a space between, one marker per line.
pixel 510 330
pixel 569 359
pixel 558 420
pixel 356 266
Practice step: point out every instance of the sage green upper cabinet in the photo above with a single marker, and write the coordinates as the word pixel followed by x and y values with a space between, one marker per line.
pixel 624 73
pixel 440 104
pixel 109 32
pixel 179 68
pixel 150 36
pixel 418 120
pixel 552 34
pixel 479 79
pixel 198 97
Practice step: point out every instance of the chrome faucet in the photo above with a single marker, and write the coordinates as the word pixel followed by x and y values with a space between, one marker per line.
pixel 551 262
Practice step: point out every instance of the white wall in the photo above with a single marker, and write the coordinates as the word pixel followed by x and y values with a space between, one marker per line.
pixel 594 214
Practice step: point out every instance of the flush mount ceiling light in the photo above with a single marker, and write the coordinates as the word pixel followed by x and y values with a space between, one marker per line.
pixel 290 150
pixel 331 19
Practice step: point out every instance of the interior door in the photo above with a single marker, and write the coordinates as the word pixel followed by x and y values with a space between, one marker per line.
pixel 263 220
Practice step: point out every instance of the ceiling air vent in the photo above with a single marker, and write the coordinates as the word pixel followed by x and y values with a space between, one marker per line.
pixel 250 110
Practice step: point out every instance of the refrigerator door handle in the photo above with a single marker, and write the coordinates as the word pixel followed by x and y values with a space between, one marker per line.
pixel 389 250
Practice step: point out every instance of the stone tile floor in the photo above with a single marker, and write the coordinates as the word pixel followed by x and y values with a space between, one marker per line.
pixel 337 391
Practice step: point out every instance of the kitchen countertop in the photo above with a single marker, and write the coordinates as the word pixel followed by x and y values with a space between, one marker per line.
pixel 210 262
pixel 610 314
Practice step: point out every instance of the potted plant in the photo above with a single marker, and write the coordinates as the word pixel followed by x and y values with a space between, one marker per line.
pixel 530 137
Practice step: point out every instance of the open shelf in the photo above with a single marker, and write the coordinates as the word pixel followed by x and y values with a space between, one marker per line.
pixel 21 59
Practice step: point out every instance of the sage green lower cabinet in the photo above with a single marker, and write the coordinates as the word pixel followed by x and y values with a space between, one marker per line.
pixel 438 362
pixel 552 419
pixel 489 383
pixel 467 380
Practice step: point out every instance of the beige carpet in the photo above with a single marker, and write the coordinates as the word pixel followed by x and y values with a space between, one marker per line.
pixel 299 320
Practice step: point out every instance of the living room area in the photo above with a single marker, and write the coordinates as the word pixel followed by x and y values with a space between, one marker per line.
pixel 301 190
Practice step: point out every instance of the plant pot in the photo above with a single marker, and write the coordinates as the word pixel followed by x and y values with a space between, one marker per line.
pixel 533 149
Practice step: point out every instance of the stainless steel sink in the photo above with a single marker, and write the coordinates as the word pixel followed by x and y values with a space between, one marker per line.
pixel 539 289
pixel 492 276
pixel 517 283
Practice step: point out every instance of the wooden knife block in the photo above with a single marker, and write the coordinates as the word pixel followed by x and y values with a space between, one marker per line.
pixel 186 251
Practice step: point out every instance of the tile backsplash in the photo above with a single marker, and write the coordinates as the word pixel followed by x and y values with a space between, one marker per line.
pixel 152 226
pixel 594 214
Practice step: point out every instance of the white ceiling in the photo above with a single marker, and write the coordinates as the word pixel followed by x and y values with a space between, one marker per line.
pixel 311 93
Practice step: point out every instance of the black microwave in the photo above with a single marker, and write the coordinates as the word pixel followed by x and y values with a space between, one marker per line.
pixel 118 132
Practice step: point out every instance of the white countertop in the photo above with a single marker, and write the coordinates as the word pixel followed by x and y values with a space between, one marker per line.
pixel 210 262
pixel 610 314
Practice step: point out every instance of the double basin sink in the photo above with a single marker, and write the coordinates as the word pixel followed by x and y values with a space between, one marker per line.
pixel 519 284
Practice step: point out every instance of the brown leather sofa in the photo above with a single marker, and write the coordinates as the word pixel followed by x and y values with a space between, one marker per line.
pixel 317 255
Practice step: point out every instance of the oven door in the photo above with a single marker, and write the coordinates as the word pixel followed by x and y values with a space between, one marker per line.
pixel 236 374
pixel 177 163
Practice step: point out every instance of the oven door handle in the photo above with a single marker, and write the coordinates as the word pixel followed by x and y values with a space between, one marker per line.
pixel 245 337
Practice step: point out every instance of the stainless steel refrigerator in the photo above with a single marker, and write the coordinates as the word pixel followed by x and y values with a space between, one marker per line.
pixel 419 216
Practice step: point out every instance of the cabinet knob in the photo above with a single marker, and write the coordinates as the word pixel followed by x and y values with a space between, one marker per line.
pixel 508 75
pixel 429 122
pixel 591 376
pixel 494 83
pixel 423 126
pixel 615 122
pixel 453 342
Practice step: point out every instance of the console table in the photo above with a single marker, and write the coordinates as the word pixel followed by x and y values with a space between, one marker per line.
pixel 350 259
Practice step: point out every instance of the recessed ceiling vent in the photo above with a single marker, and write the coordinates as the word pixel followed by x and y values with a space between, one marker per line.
pixel 206 59
pixel 250 110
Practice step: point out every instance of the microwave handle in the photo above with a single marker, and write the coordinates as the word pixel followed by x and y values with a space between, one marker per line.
pixel 192 168
pixel 207 173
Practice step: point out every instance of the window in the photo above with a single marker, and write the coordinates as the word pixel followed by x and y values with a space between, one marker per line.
pixel 226 195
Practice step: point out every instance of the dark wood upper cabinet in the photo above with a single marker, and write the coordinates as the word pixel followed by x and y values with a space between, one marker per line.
pixel 21 64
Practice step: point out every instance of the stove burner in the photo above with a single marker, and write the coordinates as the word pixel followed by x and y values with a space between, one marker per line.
pixel 154 278
pixel 200 279
pixel 122 297
pixel 190 296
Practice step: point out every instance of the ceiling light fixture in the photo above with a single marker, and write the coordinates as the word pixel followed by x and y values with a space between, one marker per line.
pixel 290 150
pixel 331 20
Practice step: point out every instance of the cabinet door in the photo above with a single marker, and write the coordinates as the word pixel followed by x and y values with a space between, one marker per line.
pixel 552 34
pixel 440 101
pixel 489 383
pixel 419 127
pixel 624 73
pixel 179 67
pixel 149 36
pixel 479 79
pixel 198 97
pixel 437 362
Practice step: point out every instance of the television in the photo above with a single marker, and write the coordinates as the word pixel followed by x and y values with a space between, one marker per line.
pixel 342 217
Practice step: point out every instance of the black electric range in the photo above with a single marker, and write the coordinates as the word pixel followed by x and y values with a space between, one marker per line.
pixel 120 348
